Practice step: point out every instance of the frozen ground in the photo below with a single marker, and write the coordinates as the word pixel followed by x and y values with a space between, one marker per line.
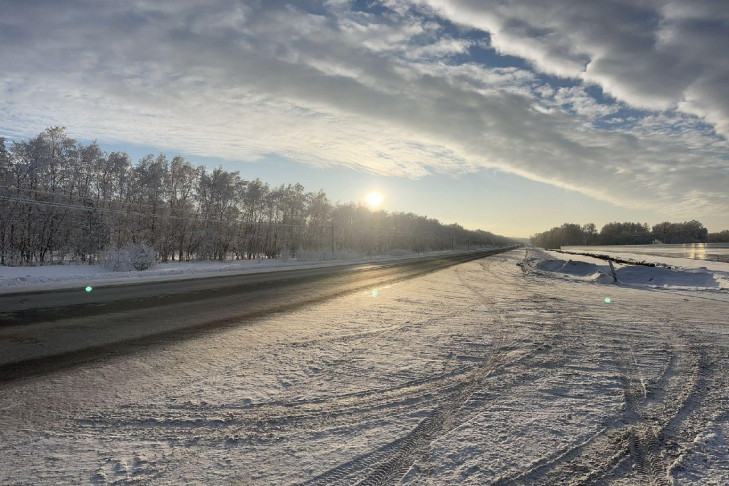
pixel 484 373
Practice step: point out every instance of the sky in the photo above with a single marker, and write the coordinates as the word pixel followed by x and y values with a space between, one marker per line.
pixel 508 116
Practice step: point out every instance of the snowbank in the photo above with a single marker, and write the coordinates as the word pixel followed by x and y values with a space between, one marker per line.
pixel 59 276
pixel 673 273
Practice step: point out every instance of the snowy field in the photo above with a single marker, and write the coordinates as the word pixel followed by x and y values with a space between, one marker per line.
pixel 717 252
pixel 513 369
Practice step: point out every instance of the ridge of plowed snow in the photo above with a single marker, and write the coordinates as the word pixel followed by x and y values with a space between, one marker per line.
pixel 674 276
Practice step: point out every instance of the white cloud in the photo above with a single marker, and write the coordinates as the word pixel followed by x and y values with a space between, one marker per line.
pixel 395 94
pixel 583 104
pixel 650 54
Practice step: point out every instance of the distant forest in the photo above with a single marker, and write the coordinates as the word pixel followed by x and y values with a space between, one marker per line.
pixel 570 234
pixel 64 201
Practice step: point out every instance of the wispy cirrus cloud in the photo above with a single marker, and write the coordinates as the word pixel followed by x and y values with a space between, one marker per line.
pixel 604 98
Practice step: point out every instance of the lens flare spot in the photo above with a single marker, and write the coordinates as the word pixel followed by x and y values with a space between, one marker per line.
pixel 89 288
pixel 375 293
pixel 608 300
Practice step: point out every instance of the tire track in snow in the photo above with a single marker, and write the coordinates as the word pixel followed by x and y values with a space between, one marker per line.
pixel 628 438
pixel 639 436
pixel 390 463
pixel 261 415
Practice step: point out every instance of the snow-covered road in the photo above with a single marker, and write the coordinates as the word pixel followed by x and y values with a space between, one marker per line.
pixel 486 372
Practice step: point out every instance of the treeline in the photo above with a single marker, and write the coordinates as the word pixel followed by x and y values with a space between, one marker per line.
pixel 570 234
pixel 719 237
pixel 61 200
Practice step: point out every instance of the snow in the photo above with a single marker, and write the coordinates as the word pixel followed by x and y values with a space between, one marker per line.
pixel 486 372
pixel 669 273
pixel 667 261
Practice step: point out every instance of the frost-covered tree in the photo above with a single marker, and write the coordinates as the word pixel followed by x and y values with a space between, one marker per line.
pixel 687 232
pixel 61 199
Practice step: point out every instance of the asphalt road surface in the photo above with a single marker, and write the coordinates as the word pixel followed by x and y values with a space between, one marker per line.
pixel 43 331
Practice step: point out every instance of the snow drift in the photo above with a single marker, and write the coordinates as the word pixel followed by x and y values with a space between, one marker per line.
pixel 661 275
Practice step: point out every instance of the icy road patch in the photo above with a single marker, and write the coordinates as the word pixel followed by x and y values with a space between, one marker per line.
pixel 484 373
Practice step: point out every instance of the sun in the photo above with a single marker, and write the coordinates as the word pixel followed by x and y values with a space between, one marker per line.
pixel 374 199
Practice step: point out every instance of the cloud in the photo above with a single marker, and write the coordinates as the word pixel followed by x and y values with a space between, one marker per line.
pixel 394 91
pixel 650 54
